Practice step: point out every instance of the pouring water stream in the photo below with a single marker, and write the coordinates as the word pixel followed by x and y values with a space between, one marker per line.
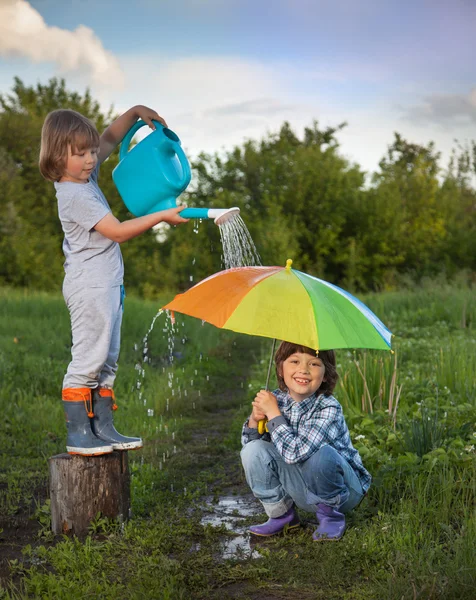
pixel 238 250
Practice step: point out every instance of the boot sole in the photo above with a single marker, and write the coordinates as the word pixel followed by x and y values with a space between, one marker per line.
pixel 128 446
pixel 287 527
pixel 89 451
pixel 328 539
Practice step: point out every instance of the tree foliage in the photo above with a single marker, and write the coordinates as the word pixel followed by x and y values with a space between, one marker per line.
pixel 300 198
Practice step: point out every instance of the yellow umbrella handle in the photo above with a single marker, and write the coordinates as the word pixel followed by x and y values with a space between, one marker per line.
pixel 262 426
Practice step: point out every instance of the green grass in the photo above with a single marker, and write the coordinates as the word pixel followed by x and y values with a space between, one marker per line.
pixel 412 537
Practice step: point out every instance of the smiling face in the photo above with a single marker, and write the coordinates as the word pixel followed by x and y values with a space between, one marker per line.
pixel 80 164
pixel 303 374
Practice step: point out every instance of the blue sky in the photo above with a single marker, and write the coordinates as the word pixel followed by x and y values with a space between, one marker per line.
pixel 221 71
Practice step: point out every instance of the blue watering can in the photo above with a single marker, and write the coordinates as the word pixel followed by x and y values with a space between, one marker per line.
pixel 155 172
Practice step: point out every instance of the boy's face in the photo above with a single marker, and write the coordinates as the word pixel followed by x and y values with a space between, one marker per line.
pixel 302 374
pixel 80 164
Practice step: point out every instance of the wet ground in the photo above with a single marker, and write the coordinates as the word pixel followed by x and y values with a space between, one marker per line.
pixel 233 512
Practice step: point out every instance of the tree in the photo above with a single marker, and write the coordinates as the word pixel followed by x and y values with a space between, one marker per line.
pixel 299 197
pixel 408 180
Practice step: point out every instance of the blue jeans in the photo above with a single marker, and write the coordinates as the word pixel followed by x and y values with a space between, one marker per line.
pixel 324 478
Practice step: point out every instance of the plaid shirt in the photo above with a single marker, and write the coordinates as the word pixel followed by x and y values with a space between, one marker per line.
pixel 305 427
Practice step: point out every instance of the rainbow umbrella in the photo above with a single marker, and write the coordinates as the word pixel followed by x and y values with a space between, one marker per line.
pixel 284 304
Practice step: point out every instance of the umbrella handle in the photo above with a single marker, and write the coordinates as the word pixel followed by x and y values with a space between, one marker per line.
pixel 262 426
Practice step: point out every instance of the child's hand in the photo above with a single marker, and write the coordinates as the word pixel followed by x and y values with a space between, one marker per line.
pixel 148 115
pixel 266 403
pixel 257 415
pixel 172 217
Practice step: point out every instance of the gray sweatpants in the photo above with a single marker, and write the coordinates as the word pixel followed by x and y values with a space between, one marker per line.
pixel 96 317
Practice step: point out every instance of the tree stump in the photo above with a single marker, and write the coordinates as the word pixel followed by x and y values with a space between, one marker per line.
pixel 82 486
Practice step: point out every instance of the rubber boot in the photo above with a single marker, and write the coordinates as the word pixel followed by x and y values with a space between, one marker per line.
pixel 273 526
pixel 331 524
pixel 81 439
pixel 102 422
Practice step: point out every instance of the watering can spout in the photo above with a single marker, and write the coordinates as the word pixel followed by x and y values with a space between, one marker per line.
pixel 223 215
pixel 220 215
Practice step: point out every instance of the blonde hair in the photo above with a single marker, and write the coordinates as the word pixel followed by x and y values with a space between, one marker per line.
pixel 63 128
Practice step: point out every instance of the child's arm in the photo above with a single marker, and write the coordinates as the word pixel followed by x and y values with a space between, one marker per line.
pixel 116 131
pixel 116 231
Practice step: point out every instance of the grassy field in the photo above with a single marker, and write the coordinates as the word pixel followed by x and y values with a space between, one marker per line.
pixel 412 416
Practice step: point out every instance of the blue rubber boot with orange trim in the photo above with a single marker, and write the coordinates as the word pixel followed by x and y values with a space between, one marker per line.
pixel 102 424
pixel 77 403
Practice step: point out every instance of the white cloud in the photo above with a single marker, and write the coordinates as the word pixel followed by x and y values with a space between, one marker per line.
pixel 24 33
pixel 445 109
pixel 210 102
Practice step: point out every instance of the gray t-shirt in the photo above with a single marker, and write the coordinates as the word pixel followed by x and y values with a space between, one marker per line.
pixel 91 258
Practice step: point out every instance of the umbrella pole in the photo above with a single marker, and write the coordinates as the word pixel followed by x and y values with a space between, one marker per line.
pixel 270 364
pixel 262 423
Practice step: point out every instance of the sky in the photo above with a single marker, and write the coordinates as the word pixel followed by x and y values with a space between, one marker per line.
pixel 223 71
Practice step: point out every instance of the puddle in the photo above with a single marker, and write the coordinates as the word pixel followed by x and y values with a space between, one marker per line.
pixel 230 512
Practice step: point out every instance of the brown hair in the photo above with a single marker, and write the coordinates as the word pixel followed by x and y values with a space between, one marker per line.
pixel 63 128
pixel 328 358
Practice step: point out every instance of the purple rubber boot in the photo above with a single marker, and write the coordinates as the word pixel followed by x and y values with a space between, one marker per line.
pixel 274 526
pixel 331 524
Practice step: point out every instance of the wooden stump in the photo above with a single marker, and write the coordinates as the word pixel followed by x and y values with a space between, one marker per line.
pixel 82 486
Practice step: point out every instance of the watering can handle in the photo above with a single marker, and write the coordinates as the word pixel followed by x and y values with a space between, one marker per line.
pixel 126 142
pixel 187 174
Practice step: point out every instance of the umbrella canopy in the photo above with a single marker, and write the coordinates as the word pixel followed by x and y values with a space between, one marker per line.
pixel 282 303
